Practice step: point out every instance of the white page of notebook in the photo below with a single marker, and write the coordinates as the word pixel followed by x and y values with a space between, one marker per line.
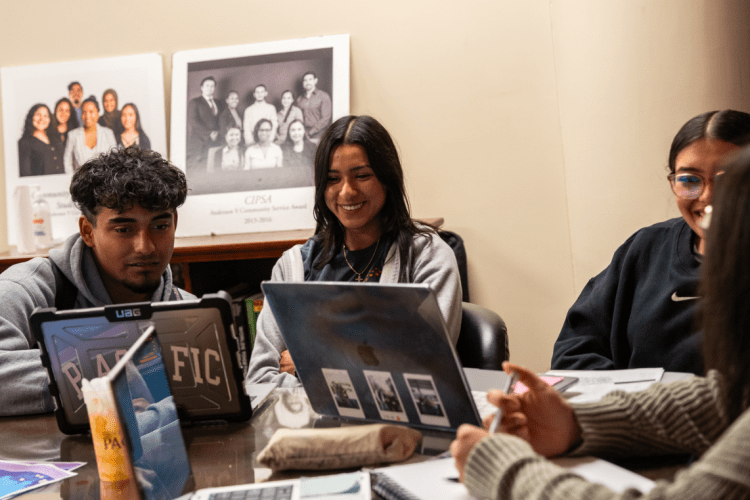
pixel 610 475
pixel 593 385
pixel 428 480
pixel 436 479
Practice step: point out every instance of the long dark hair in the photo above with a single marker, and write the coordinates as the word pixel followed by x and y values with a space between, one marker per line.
pixel 724 313
pixel 727 125
pixel 289 137
pixel 28 124
pixel 395 216
pixel 137 118
pixel 286 116
pixel 72 120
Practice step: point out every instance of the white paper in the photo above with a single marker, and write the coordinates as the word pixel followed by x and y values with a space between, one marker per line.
pixel 437 478
pixel 592 385
pixel 606 473
pixel 484 407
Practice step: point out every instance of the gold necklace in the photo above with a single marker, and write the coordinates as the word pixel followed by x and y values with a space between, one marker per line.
pixel 359 275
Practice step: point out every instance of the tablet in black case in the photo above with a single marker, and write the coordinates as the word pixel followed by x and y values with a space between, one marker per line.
pixel 199 343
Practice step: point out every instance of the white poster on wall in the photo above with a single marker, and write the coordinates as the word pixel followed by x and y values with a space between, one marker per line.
pixel 43 124
pixel 246 121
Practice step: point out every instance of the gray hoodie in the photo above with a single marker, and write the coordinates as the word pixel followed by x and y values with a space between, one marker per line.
pixel 31 284
pixel 435 265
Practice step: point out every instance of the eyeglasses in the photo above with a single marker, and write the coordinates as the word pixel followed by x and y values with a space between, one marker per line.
pixel 690 186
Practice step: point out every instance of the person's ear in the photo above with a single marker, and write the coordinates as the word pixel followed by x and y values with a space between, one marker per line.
pixel 86 228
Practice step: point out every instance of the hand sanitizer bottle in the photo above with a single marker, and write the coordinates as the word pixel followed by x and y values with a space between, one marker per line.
pixel 41 222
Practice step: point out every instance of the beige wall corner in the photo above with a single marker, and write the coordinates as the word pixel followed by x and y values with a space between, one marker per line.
pixel 630 73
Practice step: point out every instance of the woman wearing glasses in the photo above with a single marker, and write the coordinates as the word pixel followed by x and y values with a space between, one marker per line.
pixel 638 312
pixel 263 153
pixel 706 417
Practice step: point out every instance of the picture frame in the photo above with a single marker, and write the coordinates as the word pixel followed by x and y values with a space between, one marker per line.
pixel 136 79
pixel 253 185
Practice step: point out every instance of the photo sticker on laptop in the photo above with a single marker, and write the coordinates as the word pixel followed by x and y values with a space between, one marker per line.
pixel 426 399
pixel 343 393
pixel 387 400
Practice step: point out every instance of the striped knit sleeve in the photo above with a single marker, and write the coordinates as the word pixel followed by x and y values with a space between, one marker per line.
pixel 685 416
pixel 504 467
pixel 682 417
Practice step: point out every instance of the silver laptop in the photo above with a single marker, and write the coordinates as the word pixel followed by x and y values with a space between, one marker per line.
pixel 373 352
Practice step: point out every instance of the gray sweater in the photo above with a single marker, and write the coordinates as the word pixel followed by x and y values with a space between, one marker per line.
pixel 435 265
pixel 31 284
pixel 683 417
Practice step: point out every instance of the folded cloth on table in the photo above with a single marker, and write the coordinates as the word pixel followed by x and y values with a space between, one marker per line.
pixel 339 448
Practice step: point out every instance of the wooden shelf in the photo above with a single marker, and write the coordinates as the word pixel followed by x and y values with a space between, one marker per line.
pixel 237 246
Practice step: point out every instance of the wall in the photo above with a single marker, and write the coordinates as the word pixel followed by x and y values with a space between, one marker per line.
pixel 538 129
pixel 630 74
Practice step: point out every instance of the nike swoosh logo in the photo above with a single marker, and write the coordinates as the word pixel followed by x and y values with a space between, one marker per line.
pixel 677 298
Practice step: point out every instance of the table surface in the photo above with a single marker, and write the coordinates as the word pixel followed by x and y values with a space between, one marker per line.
pixel 220 454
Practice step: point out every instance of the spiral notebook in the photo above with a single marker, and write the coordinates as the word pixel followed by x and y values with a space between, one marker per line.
pixel 437 478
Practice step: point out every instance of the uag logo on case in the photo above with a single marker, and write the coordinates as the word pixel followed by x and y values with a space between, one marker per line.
pixel 127 313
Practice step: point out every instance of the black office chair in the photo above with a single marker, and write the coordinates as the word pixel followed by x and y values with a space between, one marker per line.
pixel 483 341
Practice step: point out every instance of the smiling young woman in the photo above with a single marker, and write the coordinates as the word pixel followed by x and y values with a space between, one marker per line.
pixel 38 151
pixel 131 132
pixel 364 233
pixel 639 311
pixel 63 121
pixel 89 140
pixel 705 417
pixel 111 116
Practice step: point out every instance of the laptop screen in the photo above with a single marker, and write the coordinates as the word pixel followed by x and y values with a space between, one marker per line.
pixel 373 352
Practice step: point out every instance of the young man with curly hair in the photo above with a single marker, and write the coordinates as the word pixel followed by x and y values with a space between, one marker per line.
pixel 128 199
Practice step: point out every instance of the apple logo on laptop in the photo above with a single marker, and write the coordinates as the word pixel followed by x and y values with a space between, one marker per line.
pixel 367 353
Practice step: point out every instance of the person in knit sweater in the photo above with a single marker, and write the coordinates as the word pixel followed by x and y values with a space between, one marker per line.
pixel 705 416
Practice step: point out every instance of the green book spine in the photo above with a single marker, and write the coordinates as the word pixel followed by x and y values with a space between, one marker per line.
pixel 253 308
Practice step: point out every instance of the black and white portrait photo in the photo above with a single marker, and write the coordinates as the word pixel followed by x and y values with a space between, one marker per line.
pixel 57 116
pixel 247 120
pixel 426 399
pixel 343 393
pixel 387 399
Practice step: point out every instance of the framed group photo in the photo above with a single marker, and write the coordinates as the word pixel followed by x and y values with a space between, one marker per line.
pixel 46 109
pixel 246 121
